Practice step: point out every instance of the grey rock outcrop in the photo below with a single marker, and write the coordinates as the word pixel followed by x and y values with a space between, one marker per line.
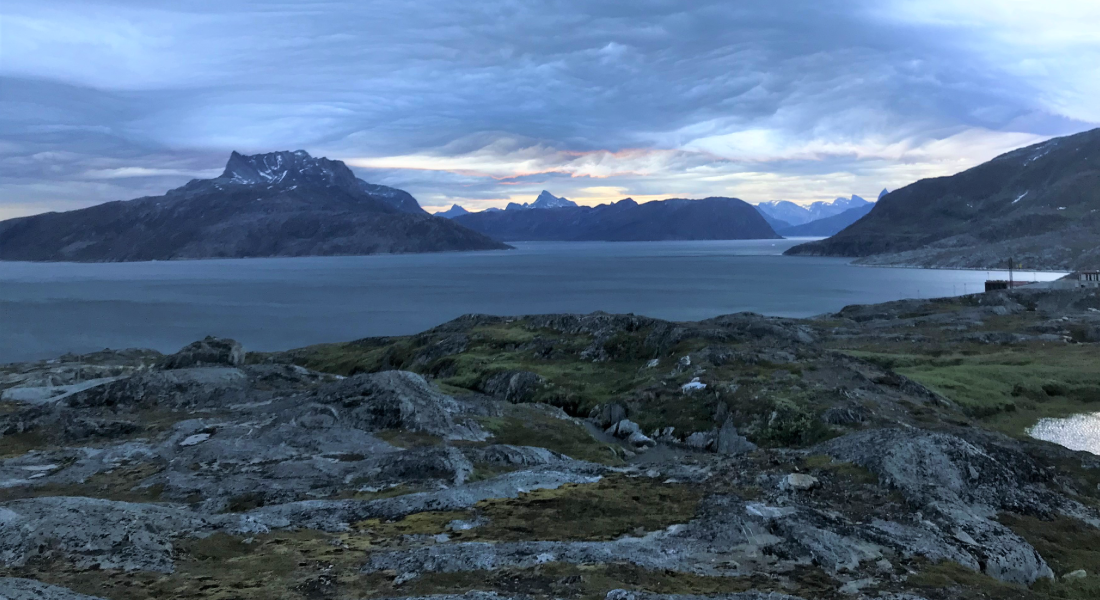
pixel 398 400
pixel 513 386
pixel 208 352
pixel 960 487
pixel 93 533
pixel 729 442
pixel 13 588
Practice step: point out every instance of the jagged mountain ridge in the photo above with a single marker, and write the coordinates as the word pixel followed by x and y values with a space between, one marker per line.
pixel 275 204
pixel 788 214
pixel 452 212
pixel 1039 205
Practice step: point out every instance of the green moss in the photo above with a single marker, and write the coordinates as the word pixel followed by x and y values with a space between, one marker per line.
pixel 18 444
pixel 791 423
pixel 605 510
pixel 525 425
pixel 1067 545
pixel 847 470
pixel 965 584
pixel 119 484
pixel 613 507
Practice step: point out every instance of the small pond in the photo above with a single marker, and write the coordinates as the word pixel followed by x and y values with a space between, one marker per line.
pixel 1079 432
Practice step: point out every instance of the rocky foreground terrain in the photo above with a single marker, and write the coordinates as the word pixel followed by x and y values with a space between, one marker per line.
pixel 874 453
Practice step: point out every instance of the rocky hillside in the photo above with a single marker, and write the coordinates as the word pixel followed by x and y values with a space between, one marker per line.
pixel 1040 205
pixel 626 220
pixel 278 204
pixel 877 453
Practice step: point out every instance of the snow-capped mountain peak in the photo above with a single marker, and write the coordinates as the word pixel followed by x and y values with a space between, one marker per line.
pixel 275 168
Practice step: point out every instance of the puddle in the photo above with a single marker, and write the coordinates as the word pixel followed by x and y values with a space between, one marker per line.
pixel 1079 432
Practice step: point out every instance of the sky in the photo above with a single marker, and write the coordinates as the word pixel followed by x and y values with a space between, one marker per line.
pixel 481 103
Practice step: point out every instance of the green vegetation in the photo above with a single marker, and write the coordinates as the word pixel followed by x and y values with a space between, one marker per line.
pixel 965 584
pixel 1009 389
pixel 846 470
pixel 118 484
pixel 529 426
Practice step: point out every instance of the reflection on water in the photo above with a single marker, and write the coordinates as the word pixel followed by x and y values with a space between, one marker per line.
pixel 1079 432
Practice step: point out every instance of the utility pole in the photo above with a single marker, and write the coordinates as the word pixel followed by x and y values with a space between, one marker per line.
pixel 1010 277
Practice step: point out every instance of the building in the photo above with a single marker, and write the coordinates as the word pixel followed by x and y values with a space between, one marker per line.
pixel 1080 279
pixel 1004 284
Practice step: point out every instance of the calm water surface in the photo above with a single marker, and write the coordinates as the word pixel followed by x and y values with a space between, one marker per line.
pixel 271 304
pixel 1079 432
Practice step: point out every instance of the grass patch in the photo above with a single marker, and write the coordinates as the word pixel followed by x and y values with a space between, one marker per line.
pixel 527 425
pixel 838 468
pixel 18 444
pixel 1066 544
pixel 1008 389
pixel 960 582
pixel 608 509
pixel 119 484
pixel 605 510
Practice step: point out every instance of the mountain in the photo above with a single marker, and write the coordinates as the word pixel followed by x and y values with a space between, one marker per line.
pixel 626 220
pixel 775 223
pixel 883 193
pixel 545 200
pixel 828 225
pixel 1039 205
pixel 277 204
pixel 788 214
pixel 823 210
pixel 452 212
pixel 784 213
pixel 399 199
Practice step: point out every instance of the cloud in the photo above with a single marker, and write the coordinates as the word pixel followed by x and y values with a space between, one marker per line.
pixel 483 102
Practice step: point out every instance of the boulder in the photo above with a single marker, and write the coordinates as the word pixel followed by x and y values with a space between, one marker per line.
pixel 623 429
pixel 208 352
pixel 730 442
pixel 396 400
pixel 513 386
pixel 799 482
pixel 640 440
pixel 606 415
pixel 701 439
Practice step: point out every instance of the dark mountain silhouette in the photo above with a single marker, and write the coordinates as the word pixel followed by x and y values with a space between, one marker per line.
pixel 277 204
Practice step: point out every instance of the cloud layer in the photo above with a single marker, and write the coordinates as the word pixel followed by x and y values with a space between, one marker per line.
pixel 483 102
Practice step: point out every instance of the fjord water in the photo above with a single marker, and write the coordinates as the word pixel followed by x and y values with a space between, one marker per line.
pixel 47 309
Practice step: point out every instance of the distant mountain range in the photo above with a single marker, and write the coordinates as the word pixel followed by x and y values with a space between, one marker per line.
pixel 277 204
pixel 626 220
pixel 1038 205
pixel 545 200
pixel 788 214
pixel 452 212
pixel 827 226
